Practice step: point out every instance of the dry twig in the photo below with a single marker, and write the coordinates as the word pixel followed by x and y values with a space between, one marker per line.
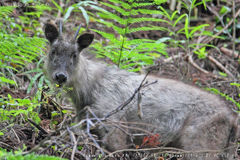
pixel 222 67
pixel 230 52
pixel 220 32
pixel 38 127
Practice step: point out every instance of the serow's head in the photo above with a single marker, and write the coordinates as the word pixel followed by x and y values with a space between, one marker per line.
pixel 63 57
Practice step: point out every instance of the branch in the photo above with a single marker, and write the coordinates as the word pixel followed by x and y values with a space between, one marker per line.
pixel 38 127
pixel 229 23
pixel 230 52
pixel 131 98
pixel 222 67
pixel 190 59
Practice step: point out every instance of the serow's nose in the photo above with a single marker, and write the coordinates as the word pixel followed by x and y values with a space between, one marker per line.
pixel 61 78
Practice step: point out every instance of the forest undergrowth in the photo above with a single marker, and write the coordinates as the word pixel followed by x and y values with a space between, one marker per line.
pixel 196 42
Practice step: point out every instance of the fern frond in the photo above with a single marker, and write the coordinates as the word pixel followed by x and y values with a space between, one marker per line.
pixel 19 50
pixel 148 47
pixel 131 66
pixel 141 4
pixel 145 19
pixel 113 16
pixel 145 11
pixel 158 2
pixel 146 29
pixel 123 4
pixel 110 24
pixel 118 9
pixel 136 57
pixel 8 67
pixel 127 53
pixel 138 41
pixel 109 36
pixel 6 10
pixel 111 52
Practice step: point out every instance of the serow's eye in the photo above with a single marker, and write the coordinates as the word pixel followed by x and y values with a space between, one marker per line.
pixel 74 56
pixel 53 51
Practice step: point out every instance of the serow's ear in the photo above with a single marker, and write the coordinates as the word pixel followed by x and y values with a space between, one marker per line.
pixel 85 40
pixel 51 32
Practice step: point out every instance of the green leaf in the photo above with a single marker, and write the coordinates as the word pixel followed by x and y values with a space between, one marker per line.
pixel 145 11
pixel 33 80
pixel 64 111
pixel 135 4
pixel 203 2
pixel 146 29
pixel 69 10
pixel 146 19
pixel 158 2
pixel 118 9
pixel 195 29
pixel 201 52
pixel 173 15
pixel 184 5
pixel 223 74
pixel 32 71
pixel 186 28
pixel 224 10
pixel 22 102
pixel 5 80
pixel 85 15
pixel 9 96
pixel 179 19
pixel 99 9
pixel 235 84
pixel 54 114
pixel 115 17
pixel 122 3
pixel 164 39
pixel 40 84
pixel 109 36
pixel 165 12
pixel 60 8
pixel 155 55
pixel 110 24
pixel 138 41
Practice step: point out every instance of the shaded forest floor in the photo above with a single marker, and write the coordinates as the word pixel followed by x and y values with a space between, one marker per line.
pixel 176 66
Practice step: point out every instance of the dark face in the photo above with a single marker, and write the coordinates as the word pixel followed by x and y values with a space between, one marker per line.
pixel 63 59
pixel 63 56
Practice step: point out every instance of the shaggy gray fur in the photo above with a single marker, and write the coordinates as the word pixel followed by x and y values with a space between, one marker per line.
pixel 186 117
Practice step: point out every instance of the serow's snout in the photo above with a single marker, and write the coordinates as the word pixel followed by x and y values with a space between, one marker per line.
pixel 61 78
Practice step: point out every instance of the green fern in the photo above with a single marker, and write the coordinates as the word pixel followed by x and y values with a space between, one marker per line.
pixel 13 155
pixel 228 98
pixel 173 19
pixel 15 49
pixel 127 53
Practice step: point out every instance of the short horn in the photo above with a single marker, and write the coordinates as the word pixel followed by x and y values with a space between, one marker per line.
pixel 60 26
pixel 76 34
